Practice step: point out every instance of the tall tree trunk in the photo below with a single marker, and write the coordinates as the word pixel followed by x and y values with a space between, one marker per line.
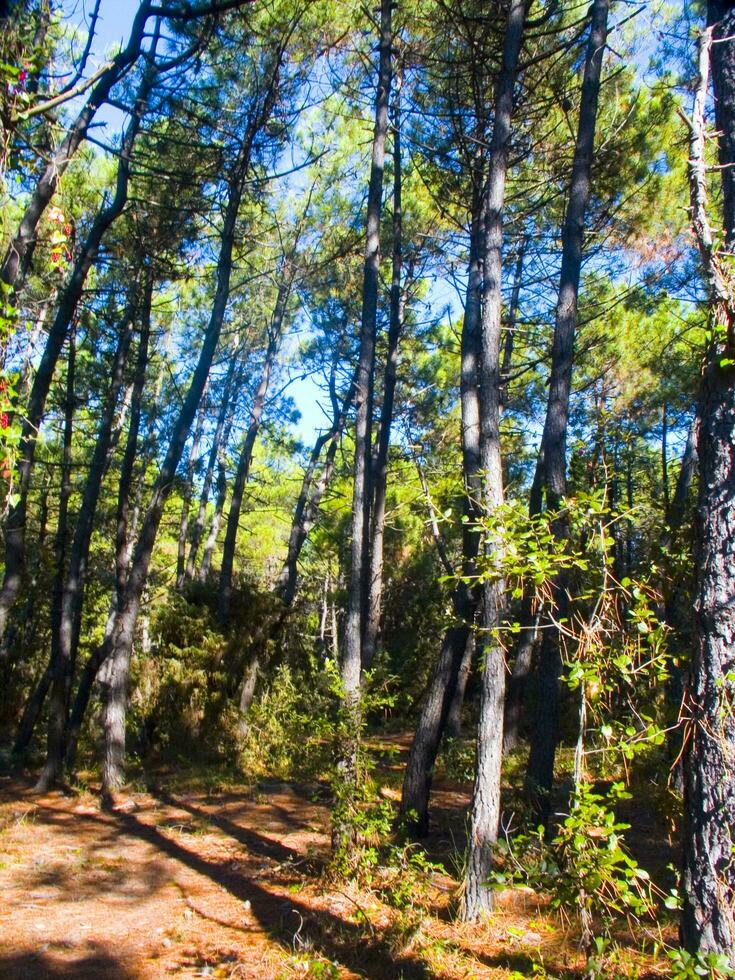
pixel 220 436
pixel 380 472
pixel 530 620
pixel 454 715
pixel 440 692
pixel 16 520
pixel 275 331
pixel 18 256
pixel 62 526
pixel 219 506
pixel 65 635
pixel 310 496
pixel 189 492
pixel 350 667
pixel 120 643
pixel 485 814
pixel 708 879
pixel 540 771
pixel 122 524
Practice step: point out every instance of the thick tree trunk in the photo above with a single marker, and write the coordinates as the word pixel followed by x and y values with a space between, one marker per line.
pixel 62 527
pixel 380 472
pixel 485 814
pixel 351 664
pixel 540 771
pixel 275 332
pixel 708 879
pixel 16 520
pixel 189 492
pixel 708 919
pixel 65 635
pixel 18 256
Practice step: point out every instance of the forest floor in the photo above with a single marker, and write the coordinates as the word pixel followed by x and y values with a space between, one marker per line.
pixel 186 880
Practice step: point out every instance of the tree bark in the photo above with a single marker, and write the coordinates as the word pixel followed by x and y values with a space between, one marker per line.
pixel 221 433
pixel 18 256
pixel 65 635
pixel 485 814
pixel 350 667
pixel 189 492
pixel 122 524
pixel 540 771
pixel 708 878
pixel 16 520
pixel 275 332
pixel 380 471
pixel 120 643
pixel 438 698
pixel 530 620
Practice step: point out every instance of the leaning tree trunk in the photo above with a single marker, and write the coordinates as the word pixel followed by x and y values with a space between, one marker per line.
pixel 221 433
pixel 350 667
pixel 380 473
pixel 189 492
pixel 540 771
pixel 70 297
pixel 708 879
pixel 122 526
pixel 485 814
pixel 18 256
pixel 65 631
pixel 275 331
pixel 120 643
pixel 310 496
pixel 62 532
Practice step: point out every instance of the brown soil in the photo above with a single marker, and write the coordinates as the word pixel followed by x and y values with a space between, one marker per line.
pixel 194 884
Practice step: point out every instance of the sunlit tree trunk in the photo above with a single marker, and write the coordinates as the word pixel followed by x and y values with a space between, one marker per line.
pixel 485 813
pixel 351 661
pixel 540 771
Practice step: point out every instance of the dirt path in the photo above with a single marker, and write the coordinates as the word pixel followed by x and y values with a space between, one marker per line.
pixel 226 885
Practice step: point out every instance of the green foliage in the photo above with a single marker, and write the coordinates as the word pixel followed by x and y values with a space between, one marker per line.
pixel 688 966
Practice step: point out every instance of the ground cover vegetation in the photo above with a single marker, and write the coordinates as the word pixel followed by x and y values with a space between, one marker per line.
pixel 367 429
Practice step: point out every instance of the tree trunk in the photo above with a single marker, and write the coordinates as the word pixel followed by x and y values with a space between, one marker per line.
pixel 122 525
pixel 438 698
pixel 310 496
pixel 120 643
pixel 18 256
pixel 454 716
pixel 540 771
pixel 530 620
pixel 485 814
pixel 219 506
pixel 16 520
pixel 246 454
pixel 708 879
pixel 350 666
pixel 189 492
pixel 220 437
pixel 65 635
pixel 63 520
pixel 380 471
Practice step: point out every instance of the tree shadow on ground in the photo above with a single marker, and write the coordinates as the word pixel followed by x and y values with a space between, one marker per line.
pixel 42 966
pixel 290 923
